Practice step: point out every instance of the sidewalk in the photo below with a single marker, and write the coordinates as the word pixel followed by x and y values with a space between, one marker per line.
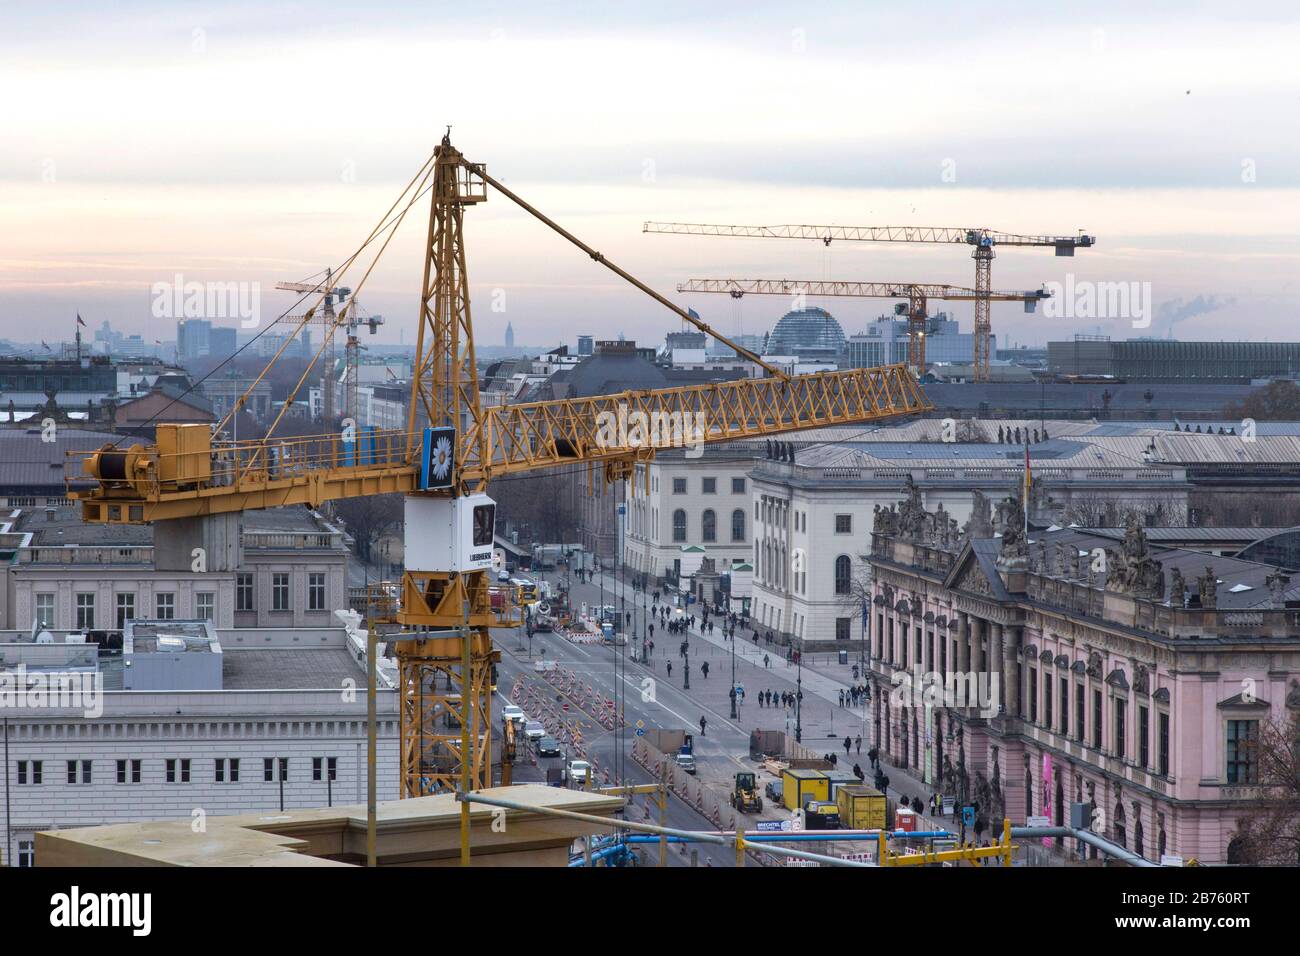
pixel 819 681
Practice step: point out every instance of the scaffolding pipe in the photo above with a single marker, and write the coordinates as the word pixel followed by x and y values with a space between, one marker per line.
pixel 689 835
pixel 1088 837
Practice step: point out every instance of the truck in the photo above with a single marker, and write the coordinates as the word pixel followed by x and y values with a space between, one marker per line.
pixel 821 815
pixel 798 786
pixel 861 807
pixel 744 796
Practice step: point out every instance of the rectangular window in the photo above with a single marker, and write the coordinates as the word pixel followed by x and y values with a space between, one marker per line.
pixel 1163 753
pixel 79 772
pixel 1033 695
pixel 128 771
pixel 165 605
pixel 1121 713
pixel 322 765
pixel 1049 718
pixel 45 610
pixel 1096 719
pixel 1144 737
pixel 315 592
pixel 844 524
pixel 244 592
pixel 842 628
pixel 86 611
pixel 227 770
pixel 710 486
pixel 279 592
pixel 178 769
pixel 27 853
pixel 125 609
pixel 737 486
pixel 1079 712
pixel 679 486
pixel 205 605
pixel 268 769
pixel 29 772
pixel 1065 706
pixel 1242 761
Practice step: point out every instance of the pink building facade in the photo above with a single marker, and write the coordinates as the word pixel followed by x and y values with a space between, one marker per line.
pixel 1077 668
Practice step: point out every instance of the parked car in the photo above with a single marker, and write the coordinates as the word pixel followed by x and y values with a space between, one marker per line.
pixel 534 730
pixel 773 790
pixel 514 713
pixel 548 747
pixel 687 763
pixel 578 770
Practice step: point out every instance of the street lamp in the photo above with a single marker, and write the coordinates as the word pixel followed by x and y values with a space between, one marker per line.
pixel 733 668
pixel 798 705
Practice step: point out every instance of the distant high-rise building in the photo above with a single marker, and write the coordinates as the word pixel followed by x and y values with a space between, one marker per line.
pixel 586 345
pixel 193 338
pixel 510 336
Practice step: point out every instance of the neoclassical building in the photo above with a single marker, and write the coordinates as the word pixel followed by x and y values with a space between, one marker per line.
pixel 1132 679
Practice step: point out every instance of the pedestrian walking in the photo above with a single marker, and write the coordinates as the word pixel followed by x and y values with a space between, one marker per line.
pixel 704 669
pixel 670 668
pixel 857 741
pixel 767 661
pixel 848 743
pixel 703 723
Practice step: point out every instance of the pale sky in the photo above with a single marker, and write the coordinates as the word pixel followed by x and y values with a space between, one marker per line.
pixel 251 142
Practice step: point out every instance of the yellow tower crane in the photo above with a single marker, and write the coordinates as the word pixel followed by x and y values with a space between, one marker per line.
pixel 452 446
pixel 917 294
pixel 983 242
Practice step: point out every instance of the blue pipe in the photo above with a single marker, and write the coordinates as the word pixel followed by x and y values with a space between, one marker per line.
pixel 617 850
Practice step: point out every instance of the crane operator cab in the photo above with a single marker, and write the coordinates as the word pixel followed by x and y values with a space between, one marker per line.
pixel 449 534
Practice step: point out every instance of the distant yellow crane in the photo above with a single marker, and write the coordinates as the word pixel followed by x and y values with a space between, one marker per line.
pixel 983 242
pixel 916 293
pixel 329 293
pixel 444 653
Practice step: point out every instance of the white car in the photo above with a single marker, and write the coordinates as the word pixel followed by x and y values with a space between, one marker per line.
pixel 578 770
pixel 534 730
pixel 514 713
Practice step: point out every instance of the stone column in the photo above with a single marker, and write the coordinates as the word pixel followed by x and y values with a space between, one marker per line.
pixel 1012 637
pixel 963 641
pixel 977 628
pixel 995 660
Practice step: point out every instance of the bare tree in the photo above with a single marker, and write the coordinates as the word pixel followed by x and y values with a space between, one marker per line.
pixel 368 518
pixel 1269 835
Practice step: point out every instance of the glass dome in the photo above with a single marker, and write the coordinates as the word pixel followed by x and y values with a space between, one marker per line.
pixel 807 333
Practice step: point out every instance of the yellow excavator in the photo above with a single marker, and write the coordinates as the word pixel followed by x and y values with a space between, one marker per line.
pixel 745 795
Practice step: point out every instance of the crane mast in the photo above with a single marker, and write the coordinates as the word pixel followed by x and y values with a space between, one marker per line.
pixel 442 462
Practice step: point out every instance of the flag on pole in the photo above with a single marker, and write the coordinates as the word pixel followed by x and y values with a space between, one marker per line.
pixel 80 321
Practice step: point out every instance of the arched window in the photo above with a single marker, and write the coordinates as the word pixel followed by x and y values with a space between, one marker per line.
pixel 738 525
pixel 843 566
pixel 710 525
pixel 679 525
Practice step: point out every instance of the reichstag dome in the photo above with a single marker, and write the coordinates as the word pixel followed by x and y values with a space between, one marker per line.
pixel 807 333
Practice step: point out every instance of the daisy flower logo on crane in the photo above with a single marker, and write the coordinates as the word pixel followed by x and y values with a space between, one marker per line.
pixel 442 458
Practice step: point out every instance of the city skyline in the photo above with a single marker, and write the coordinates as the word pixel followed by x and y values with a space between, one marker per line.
pixel 220 184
